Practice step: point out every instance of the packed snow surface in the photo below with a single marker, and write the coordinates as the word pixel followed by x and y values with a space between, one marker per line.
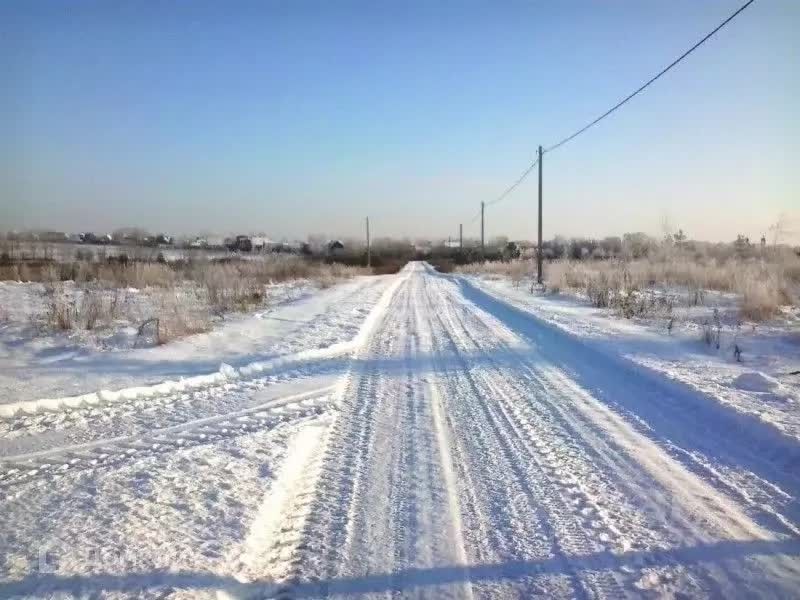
pixel 418 435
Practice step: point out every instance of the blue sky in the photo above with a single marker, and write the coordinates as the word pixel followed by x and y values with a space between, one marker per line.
pixel 294 118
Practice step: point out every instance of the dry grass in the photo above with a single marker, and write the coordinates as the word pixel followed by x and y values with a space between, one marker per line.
pixel 184 296
pixel 122 273
pixel 179 317
pixel 516 270
pixel 240 284
pixel 763 284
pixel 108 274
pixel 85 308
pixel 762 298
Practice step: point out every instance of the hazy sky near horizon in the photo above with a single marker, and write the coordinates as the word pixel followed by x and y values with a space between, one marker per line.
pixel 292 118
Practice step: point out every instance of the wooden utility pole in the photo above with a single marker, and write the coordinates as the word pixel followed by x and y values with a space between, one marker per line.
pixel 461 237
pixel 539 249
pixel 482 241
pixel 369 252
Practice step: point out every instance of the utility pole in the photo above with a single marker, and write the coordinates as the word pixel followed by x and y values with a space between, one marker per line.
pixel 482 246
pixel 539 250
pixel 369 257
pixel 461 237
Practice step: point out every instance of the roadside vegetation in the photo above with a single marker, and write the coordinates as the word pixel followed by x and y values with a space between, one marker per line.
pixel 164 299
pixel 168 296
pixel 637 276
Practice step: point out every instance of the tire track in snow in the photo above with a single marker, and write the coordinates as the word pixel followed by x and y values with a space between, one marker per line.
pixel 110 452
pixel 538 474
pixel 382 505
pixel 554 526
pixel 527 408
pixel 36 415
pixel 275 531
pixel 330 475
pixel 84 437
pixel 450 459
pixel 754 469
pixel 192 425
pixel 710 515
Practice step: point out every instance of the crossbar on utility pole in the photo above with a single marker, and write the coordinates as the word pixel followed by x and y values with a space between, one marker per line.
pixel 482 245
pixel 539 249
pixel 369 250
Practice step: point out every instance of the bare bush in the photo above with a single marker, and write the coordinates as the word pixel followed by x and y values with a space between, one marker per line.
pixel 93 294
pixel 179 318
pixel 761 299
pixel 516 270
pixel 61 312
pixel 240 284
pixel 763 284
pixel 80 309
pixel 90 308
pixel 227 288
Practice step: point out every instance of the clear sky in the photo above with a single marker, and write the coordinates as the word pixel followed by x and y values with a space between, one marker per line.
pixel 293 118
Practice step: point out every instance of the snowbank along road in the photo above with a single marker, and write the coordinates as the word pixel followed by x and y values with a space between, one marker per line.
pixel 456 447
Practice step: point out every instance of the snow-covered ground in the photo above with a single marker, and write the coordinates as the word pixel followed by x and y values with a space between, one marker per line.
pixel 35 366
pixel 421 435
pixel 763 382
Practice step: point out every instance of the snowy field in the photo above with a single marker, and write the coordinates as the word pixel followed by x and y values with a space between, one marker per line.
pixel 417 434
pixel 39 363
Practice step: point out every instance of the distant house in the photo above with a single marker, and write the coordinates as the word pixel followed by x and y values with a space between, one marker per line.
pixel 241 243
pixel 511 250
pixel 162 239
pixel 335 247
pixel 249 243
pixel 287 247
pixel 210 242
pixel 125 238
pixel 53 236
pixel 298 247
pixel 260 244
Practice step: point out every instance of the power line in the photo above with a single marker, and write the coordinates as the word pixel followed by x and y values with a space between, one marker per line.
pixel 530 167
pixel 642 88
pixel 514 185
pixel 508 190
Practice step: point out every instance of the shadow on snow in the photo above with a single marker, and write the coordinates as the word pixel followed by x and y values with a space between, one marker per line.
pixel 407 579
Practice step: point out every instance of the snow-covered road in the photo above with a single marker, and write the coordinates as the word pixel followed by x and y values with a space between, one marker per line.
pixel 455 447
